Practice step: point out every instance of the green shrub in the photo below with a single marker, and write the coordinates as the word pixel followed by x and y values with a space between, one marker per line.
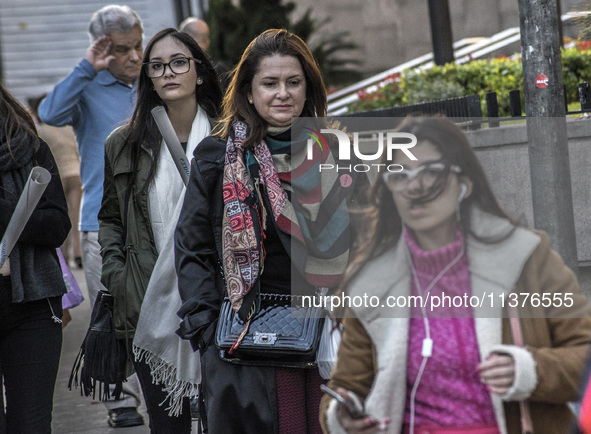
pixel 576 68
pixel 390 95
pixel 499 75
pixel 419 90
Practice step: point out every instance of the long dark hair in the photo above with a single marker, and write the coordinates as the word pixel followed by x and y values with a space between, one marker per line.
pixel 15 120
pixel 269 43
pixel 382 222
pixel 142 129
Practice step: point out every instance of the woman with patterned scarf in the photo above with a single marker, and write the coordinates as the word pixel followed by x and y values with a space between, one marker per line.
pixel 259 217
pixel 31 281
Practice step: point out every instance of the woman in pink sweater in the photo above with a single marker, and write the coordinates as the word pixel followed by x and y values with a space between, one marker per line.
pixel 444 263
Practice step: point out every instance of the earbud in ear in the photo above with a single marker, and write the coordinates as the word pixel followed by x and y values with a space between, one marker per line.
pixel 463 191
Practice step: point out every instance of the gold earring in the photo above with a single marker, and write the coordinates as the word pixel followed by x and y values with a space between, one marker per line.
pixel 199 80
pixel 250 100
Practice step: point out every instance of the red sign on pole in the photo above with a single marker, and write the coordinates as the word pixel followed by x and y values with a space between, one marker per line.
pixel 542 81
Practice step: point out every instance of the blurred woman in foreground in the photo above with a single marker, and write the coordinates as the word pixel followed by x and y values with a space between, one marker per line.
pixel 435 229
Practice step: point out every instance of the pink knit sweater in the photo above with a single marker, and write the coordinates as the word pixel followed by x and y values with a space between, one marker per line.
pixel 450 392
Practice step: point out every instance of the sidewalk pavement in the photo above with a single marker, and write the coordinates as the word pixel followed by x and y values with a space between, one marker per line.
pixel 73 413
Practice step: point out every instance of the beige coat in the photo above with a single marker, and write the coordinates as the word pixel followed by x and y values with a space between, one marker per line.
pixel 373 352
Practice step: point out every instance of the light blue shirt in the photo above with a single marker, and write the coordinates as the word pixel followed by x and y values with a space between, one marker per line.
pixel 94 104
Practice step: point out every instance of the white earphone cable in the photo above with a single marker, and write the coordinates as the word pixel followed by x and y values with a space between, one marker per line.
pixel 427 348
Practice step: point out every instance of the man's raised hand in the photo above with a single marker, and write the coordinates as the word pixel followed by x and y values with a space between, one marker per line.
pixel 98 53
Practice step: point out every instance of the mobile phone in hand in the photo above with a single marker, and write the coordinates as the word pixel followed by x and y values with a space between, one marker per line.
pixel 356 412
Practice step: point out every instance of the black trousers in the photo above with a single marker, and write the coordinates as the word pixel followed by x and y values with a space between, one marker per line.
pixel 30 348
pixel 154 396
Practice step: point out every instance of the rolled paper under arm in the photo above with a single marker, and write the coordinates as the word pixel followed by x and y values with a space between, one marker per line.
pixel 34 188
pixel 172 142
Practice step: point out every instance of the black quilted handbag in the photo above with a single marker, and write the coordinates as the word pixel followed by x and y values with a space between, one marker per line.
pixel 280 334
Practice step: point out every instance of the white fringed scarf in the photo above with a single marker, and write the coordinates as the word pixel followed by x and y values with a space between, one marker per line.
pixel 172 361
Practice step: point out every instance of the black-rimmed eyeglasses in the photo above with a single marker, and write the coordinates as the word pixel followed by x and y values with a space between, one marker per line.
pixel 179 65
pixel 426 174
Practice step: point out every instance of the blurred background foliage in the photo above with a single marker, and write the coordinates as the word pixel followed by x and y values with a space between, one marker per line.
pixel 233 27
pixel 499 75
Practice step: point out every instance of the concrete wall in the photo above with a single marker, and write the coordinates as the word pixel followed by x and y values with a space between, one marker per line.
pixel 503 153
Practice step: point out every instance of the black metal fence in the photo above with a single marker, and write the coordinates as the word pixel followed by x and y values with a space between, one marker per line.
pixel 468 108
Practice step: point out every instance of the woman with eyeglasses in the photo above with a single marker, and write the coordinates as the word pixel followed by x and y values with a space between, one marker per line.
pixel 435 229
pixel 143 192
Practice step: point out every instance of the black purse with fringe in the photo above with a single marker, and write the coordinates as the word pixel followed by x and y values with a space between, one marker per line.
pixel 102 359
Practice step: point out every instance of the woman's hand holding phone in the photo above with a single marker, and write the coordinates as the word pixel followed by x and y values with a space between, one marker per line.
pixel 352 417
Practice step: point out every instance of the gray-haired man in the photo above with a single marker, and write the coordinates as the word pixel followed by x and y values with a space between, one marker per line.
pixel 98 96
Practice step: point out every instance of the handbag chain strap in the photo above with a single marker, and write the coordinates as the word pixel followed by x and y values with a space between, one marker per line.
pixel 526 422
pixel 240 337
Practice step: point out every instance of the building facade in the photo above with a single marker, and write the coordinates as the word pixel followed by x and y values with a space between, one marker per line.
pixel 42 40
